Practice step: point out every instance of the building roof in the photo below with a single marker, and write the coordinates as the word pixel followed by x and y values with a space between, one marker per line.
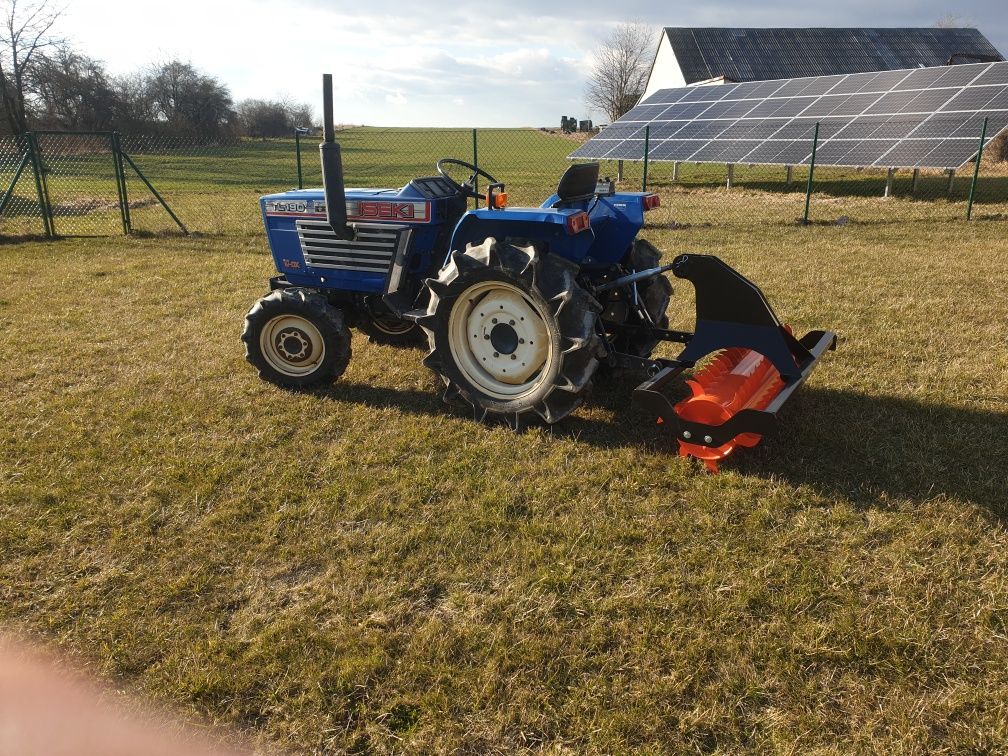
pixel 759 54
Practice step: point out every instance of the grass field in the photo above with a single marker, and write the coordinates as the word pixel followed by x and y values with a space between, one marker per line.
pixel 364 569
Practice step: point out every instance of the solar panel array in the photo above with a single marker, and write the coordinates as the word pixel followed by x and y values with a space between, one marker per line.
pixel 918 118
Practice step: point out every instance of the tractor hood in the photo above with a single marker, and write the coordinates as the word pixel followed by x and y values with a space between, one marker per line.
pixel 423 200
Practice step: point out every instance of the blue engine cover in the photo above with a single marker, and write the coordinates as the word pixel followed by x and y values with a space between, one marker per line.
pixel 307 253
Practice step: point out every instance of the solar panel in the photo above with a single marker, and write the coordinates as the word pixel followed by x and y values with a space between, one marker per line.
pixel 917 118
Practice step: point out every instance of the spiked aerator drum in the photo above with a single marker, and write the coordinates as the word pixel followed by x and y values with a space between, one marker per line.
pixel 757 367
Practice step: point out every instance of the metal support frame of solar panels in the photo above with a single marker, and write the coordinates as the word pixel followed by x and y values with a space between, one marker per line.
pixel 918 118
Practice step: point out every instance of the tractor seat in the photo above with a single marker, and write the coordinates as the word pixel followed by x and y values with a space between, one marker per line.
pixel 578 183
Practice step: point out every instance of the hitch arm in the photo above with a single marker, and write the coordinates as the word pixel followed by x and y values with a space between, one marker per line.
pixel 640 275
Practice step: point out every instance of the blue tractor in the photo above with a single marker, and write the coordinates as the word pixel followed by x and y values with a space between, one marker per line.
pixel 518 307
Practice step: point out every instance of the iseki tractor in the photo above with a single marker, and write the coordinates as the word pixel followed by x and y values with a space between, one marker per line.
pixel 519 308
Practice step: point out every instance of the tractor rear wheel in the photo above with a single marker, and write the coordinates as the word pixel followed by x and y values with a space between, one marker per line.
pixel 654 294
pixel 295 338
pixel 511 332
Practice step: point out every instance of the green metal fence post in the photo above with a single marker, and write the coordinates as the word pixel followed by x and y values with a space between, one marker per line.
pixel 811 170
pixel 976 170
pixel 647 148
pixel 476 163
pixel 117 163
pixel 297 148
pixel 36 162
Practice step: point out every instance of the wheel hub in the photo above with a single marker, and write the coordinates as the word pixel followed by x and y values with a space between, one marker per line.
pixel 504 338
pixel 519 349
pixel 499 338
pixel 294 345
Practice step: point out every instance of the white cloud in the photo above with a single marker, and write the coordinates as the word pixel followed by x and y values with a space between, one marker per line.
pixel 522 63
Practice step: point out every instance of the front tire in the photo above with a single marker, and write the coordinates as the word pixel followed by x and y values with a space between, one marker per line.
pixel 295 338
pixel 511 332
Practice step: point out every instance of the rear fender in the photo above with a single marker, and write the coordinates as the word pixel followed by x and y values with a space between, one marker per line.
pixel 538 225
pixel 616 219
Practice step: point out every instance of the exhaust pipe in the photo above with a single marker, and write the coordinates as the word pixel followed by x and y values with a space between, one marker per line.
pixel 332 167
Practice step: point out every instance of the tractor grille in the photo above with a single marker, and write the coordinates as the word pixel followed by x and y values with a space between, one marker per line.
pixel 372 251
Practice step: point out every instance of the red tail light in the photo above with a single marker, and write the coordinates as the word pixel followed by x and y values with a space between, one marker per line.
pixel 577 223
pixel 651 201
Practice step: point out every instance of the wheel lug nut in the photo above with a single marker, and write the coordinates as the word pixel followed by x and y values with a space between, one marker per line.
pixel 494 320
pixel 496 354
pixel 514 356
pixel 486 336
pixel 511 322
pixel 521 341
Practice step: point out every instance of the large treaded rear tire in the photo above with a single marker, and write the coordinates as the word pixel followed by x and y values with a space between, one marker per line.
pixel 539 297
pixel 295 338
pixel 655 294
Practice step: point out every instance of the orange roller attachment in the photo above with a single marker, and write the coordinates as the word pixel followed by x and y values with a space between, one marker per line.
pixel 735 380
pixel 756 365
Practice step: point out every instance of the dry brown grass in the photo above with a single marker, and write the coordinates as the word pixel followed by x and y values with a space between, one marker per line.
pixel 361 569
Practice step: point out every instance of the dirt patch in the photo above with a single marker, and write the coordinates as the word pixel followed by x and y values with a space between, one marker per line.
pixel 87 205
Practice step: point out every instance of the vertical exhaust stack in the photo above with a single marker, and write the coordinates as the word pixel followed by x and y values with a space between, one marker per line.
pixel 332 167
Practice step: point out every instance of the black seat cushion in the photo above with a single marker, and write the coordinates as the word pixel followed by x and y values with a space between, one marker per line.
pixel 578 182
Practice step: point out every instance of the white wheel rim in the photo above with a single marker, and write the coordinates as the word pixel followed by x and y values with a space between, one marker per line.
pixel 499 339
pixel 391 327
pixel 292 345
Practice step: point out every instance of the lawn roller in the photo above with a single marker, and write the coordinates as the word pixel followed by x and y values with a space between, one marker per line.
pixel 519 307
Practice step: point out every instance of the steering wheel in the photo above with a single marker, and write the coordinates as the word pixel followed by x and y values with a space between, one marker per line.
pixel 468 188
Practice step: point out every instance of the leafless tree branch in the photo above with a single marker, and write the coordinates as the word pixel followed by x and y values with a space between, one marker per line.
pixel 27 32
pixel 620 70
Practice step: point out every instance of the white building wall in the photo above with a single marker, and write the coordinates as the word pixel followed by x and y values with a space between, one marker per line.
pixel 665 74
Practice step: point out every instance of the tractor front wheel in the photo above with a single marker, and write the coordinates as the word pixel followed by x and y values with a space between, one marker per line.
pixel 511 332
pixel 295 338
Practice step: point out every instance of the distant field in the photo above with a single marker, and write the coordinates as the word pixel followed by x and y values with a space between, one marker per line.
pixel 362 569
pixel 214 189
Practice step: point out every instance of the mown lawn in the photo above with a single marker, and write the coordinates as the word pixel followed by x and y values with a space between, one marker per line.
pixel 364 569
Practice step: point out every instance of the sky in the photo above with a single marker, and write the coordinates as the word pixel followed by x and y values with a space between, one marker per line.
pixel 417 63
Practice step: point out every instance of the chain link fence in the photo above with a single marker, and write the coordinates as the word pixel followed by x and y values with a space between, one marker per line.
pixel 101 183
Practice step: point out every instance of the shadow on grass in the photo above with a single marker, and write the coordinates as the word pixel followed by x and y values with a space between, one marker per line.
pixel 866 449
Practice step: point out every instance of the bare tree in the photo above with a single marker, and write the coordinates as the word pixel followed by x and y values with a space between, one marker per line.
pixel 72 91
pixel 620 69
pixel 26 33
pixel 952 21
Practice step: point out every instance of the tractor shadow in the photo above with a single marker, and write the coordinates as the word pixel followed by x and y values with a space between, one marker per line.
pixel 872 451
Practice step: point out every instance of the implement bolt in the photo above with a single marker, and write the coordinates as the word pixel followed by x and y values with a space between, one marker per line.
pixel 687 434
pixel 707 439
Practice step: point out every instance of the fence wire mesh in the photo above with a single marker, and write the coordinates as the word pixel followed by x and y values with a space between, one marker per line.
pixel 212 186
